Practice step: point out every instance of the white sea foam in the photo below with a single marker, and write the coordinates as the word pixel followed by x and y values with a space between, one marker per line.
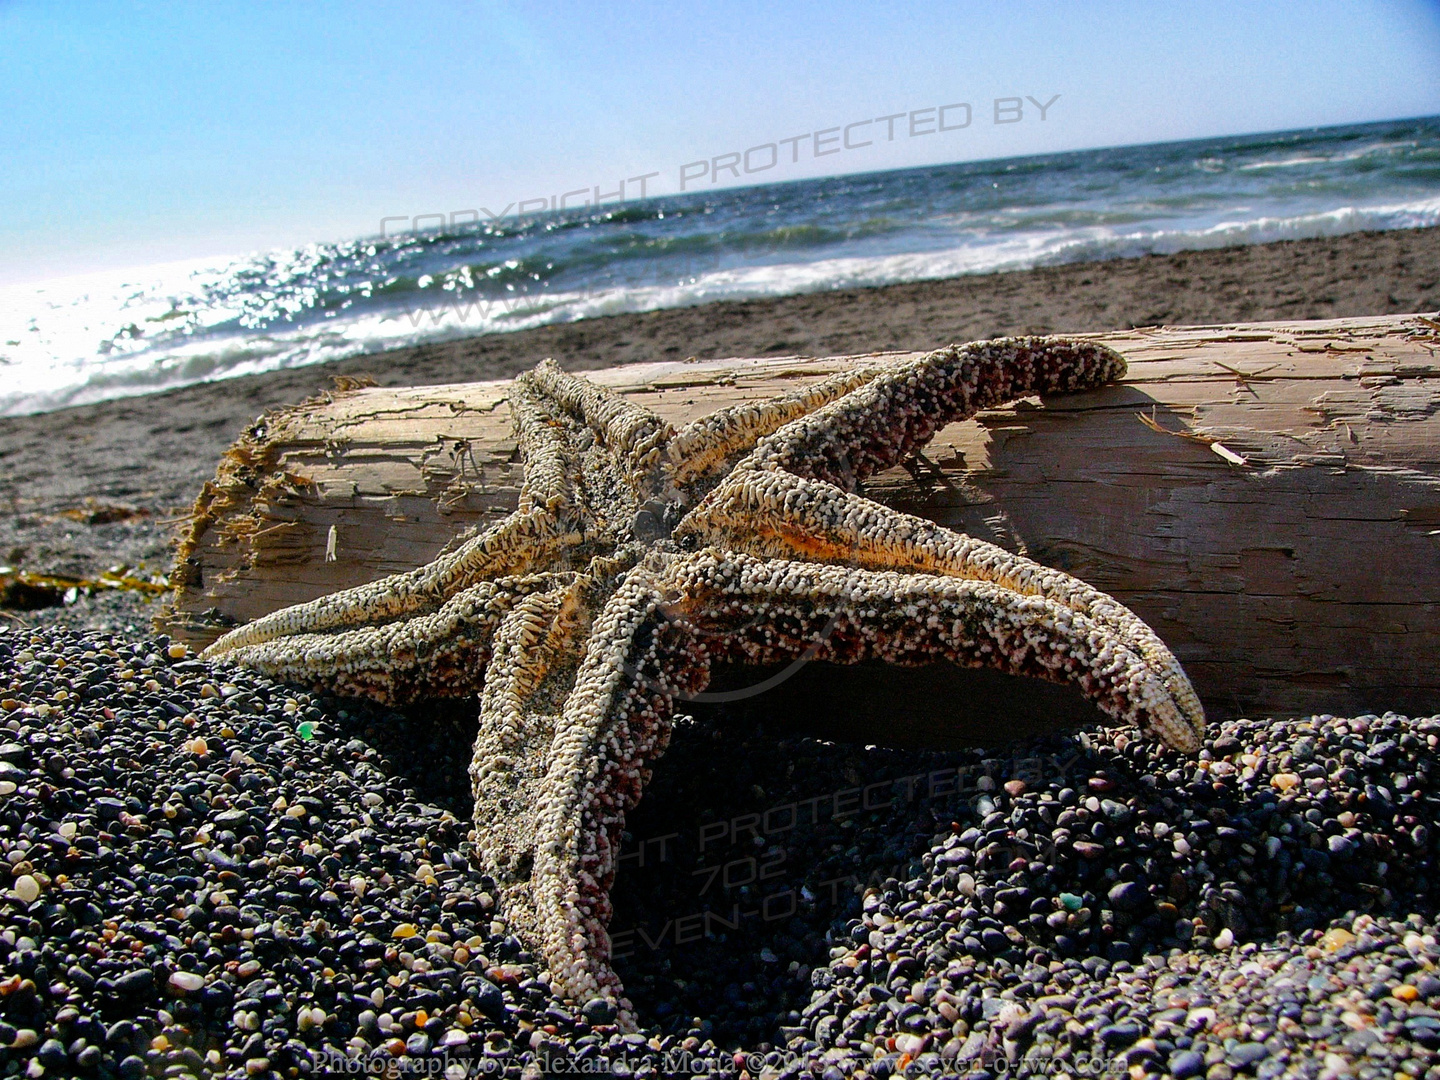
pixel 84 339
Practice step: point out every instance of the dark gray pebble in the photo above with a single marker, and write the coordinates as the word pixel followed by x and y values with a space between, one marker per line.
pixel 1185 1064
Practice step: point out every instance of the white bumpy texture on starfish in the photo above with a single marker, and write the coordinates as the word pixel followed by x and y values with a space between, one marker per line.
pixel 641 554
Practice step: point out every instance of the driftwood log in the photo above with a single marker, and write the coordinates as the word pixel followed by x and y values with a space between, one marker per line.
pixel 1266 496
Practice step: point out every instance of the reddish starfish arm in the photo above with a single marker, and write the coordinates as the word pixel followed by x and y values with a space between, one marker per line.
pixel 780 608
pixel 890 417
pixel 780 515
pixel 651 647
pixel 791 497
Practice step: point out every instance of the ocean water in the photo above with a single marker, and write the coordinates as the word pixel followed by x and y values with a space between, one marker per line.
pixel 85 339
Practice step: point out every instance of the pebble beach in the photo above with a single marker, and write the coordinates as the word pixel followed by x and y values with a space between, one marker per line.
pixel 208 874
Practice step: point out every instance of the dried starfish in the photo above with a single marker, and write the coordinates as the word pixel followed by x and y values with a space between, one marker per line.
pixel 641 554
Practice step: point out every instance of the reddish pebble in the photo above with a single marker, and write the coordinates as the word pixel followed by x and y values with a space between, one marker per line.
pixel 1014 787
pixel 1099 783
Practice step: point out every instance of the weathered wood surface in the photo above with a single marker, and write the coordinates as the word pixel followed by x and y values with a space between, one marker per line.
pixel 1305 580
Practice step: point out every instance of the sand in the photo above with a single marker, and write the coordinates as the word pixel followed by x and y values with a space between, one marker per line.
pixel 152 453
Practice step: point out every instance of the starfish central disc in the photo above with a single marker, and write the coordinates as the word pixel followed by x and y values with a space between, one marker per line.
pixel 640 554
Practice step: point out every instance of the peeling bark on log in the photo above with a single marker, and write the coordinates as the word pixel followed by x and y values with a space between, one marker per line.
pixel 1275 515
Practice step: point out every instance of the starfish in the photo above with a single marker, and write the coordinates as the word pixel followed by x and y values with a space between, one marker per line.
pixel 640 555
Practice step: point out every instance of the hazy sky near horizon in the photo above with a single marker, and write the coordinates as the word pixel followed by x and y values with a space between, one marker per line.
pixel 138 133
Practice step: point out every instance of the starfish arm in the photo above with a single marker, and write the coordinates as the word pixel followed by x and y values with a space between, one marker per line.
pixel 769 610
pixel 780 515
pixel 706 446
pixel 439 654
pixel 525 687
pixel 514 545
pixel 533 535
pixel 549 459
pixel 890 417
pixel 615 721
pixel 568 730
pixel 636 434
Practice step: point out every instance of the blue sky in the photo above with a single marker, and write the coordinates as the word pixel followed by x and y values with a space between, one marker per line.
pixel 139 133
